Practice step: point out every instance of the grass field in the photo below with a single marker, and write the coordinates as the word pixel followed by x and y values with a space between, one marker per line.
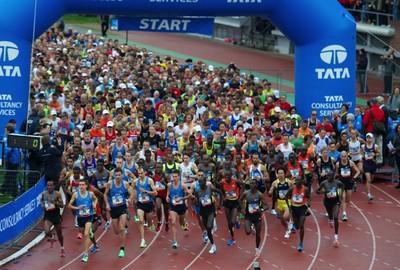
pixel 80 19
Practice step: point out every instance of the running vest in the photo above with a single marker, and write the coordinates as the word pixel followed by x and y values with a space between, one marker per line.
pixel 355 150
pixel 143 197
pixel 282 189
pixel 117 153
pixel 161 189
pixel 186 173
pixel 333 191
pixel 231 190
pixel 86 202
pixel 298 196
pixel 175 193
pixel 117 194
pixel 48 205
pixel 344 170
pixel 253 203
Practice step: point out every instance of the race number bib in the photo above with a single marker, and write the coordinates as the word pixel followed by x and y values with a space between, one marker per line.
pixel 205 200
pixel 144 198
pixel 49 206
pixel 295 173
pixel 253 208
pixel 117 200
pixel 297 198
pixel 345 172
pixel 84 212
pixel 176 202
pixel 231 195
pixel 282 194
pixel 160 186
pixel 332 193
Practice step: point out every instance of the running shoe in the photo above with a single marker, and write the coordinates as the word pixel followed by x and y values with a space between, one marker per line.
pixel 293 228
pixel 326 214
pixel 370 198
pixel 287 234
pixel 240 215
pixel 94 248
pixel 62 253
pixel 175 245
pixel 345 218
pixel 166 226
pixel 273 212
pixel 52 240
pixel 336 241
pixel 143 244
pixel 152 228
pixel 237 223
pixel 85 257
pixel 205 237
pixel 128 216
pixel 145 224
pixel 253 229
pixel 126 229
pixel 91 234
pixel 136 218
pixel 99 222
pixel 185 226
pixel 258 253
pixel 354 188
pixel 231 242
pixel 107 225
pixel 158 228
pixel 79 236
pixel 121 253
pixel 300 247
pixel 330 223
pixel 213 249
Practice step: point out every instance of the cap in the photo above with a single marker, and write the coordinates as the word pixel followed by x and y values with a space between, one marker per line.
pixel 110 124
pixel 374 100
pixel 145 121
pixel 277 109
pixel 118 104
pixel 369 134
pixel 197 128
pixel 170 124
pixel 74 113
pixel 211 68
pixel 106 112
pixel 53 112
pixel 127 102
pixel 217 112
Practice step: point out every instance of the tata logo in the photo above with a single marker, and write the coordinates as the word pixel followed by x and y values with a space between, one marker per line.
pixel 9 51
pixel 333 55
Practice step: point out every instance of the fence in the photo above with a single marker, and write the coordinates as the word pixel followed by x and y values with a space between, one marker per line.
pixel 15 182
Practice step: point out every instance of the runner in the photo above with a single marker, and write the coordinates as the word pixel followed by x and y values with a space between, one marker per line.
pixel 116 203
pixel 161 181
pixel 204 197
pixel 299 195
pixel 334 193
pixel 280 186
pixel 231 188
pixel 100 179
pixel 369 151
pixel 144 192
pixel 85 204
pixel 177 194
pixel 347 172
pixel 255 205
pixel 51 202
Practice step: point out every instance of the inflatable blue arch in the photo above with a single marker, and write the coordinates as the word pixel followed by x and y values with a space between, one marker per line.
pixel 323 32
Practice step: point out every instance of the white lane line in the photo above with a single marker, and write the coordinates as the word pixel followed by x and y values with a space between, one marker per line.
pixel 263 242
pixel 318 243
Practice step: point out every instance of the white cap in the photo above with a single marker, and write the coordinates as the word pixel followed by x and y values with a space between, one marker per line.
pixel 276 93
pixel 110 124
pixel 122 86
pixel 369 134
pixel 106 112
pixel 211 68
pixel 170 124
pixel 118 104
pixel 197 83
pixel 127 102
pixel 84 74
pixel 277 109
pixel 101 79
pixel 197 128
pixel 53 112
pixel 256 80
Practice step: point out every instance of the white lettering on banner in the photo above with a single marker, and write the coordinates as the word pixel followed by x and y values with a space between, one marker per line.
pixel 9 51
pixel 168 25
pixel 243 1
pixel 173 1
pixel 13 219
pixel 7 107
pixel 332 73
pixel 331 103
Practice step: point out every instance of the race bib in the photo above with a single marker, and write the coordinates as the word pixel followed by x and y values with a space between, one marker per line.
pixel 175 202
pixel 332 193
pixel 205 200
pixel 282 194
pixel 144 198
pixel 253 208
pixel 295 172
pixel 159 186
pixel 101 184
pixel 84 212
pixel 304 164
pixel 297 198
pixel 231 195
pixel 49 206
pixel 345 172
pixel 117 200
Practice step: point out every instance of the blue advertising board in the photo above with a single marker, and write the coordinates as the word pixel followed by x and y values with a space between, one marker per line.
pixel 18 215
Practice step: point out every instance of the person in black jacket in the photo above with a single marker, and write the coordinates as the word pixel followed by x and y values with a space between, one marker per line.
pixel 30 125
pixel 50 159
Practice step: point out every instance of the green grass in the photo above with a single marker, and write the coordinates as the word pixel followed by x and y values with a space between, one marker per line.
pixel 79 19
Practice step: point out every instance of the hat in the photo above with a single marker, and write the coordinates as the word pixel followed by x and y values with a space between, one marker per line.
pixel 101 79
pixel 106 112
pixel 370 135
pixel 217 112
pixel 127 102
pixel 84 74
pixel 211 68
pixel 197 128
pixel 110 124
pixel 118 104
pixel 170 124
pixel 374 100
pixel 53 112
pixel 276 93
pixel 277 109
pixel 12 121
pixel 145 121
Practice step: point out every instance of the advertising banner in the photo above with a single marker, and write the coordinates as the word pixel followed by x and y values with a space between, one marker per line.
pixel 18 215
pixel 203 26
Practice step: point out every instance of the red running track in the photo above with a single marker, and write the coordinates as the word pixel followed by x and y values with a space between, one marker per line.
pixel 367 241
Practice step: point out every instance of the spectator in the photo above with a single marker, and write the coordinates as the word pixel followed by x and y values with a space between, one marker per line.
pixel 50 157
pixel 362 65
pixel 104 23
pixel 394 100
pixel 388 62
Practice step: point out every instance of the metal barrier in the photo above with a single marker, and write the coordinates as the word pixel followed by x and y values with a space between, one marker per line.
pixel 15 182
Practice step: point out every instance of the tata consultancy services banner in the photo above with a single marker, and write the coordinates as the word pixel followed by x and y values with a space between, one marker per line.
pixel 16 216
pixel 202 26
